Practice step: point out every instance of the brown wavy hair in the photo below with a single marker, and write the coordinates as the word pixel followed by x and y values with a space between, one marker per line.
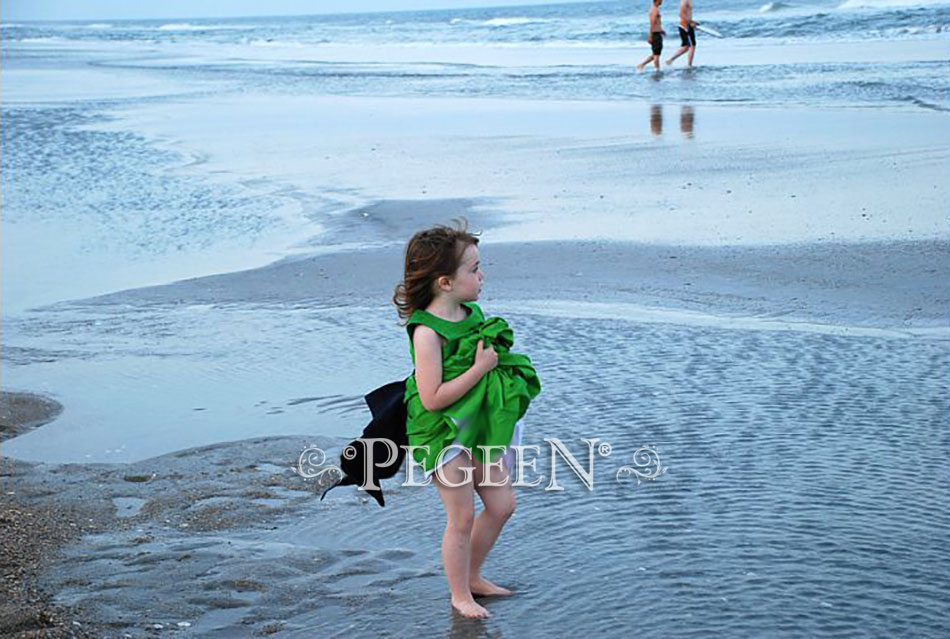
pixel 430 254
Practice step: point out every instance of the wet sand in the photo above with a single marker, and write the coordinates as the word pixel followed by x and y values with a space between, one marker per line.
pixel 200 543
pixel 874 284
pixel 34 526
pixel 21 412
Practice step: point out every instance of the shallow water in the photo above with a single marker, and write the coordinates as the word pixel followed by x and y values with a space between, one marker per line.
pixel 170 375
pixel 802 495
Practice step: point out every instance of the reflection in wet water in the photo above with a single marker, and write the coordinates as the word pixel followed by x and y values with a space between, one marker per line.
pixel 687 121
pixel 656 119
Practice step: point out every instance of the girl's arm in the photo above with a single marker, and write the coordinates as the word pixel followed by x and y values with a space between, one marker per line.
pixel 433 392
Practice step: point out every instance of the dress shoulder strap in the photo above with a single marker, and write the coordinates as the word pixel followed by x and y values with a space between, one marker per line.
pixel 445 328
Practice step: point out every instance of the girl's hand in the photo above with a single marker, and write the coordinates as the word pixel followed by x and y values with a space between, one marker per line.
pixel 485 357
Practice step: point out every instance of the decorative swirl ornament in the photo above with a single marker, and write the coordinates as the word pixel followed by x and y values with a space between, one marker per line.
pixel 645 457
pixel 310 460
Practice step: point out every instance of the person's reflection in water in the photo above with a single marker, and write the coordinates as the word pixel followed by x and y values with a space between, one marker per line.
pixel 656 119
pixel 687 121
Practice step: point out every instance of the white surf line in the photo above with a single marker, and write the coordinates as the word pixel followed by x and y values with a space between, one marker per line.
pixel 658 315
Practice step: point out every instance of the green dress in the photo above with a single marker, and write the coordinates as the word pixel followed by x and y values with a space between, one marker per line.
pixel 488 413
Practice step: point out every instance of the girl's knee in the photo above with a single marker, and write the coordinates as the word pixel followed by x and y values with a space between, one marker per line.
pixel 503 508
pixel 461 521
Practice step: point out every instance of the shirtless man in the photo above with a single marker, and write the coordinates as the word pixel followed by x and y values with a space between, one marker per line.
pixel 687 32
pixel 655 38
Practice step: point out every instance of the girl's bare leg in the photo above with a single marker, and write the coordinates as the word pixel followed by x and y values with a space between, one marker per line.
pixel 499 504
pixel 456 541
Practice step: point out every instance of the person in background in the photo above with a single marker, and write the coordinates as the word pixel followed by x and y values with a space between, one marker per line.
pixel 655 38
pixel 687 30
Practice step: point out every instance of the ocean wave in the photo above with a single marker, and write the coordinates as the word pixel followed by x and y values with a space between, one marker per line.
pixel 510 22
pixel 186 26
pixel 773 6
pixel 913 31
pixel 885 4
pixel 283 43
pixel 179 27
pixel 94 26
pixel 43 40
pixel 499 22
pixel 924 104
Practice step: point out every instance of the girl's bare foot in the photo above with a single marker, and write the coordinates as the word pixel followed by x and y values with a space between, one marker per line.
pixel 470 609
pixel 484 588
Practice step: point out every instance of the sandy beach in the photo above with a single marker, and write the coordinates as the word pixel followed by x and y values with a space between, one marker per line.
pixel 34 530
pixel 742 267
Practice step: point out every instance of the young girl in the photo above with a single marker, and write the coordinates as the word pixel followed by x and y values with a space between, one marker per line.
pixel 468 390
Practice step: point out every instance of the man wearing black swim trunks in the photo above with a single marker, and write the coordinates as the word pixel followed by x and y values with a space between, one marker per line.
pixel 687 33
pixel 655 38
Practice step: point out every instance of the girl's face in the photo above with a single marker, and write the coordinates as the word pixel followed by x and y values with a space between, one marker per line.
pixel 467 281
